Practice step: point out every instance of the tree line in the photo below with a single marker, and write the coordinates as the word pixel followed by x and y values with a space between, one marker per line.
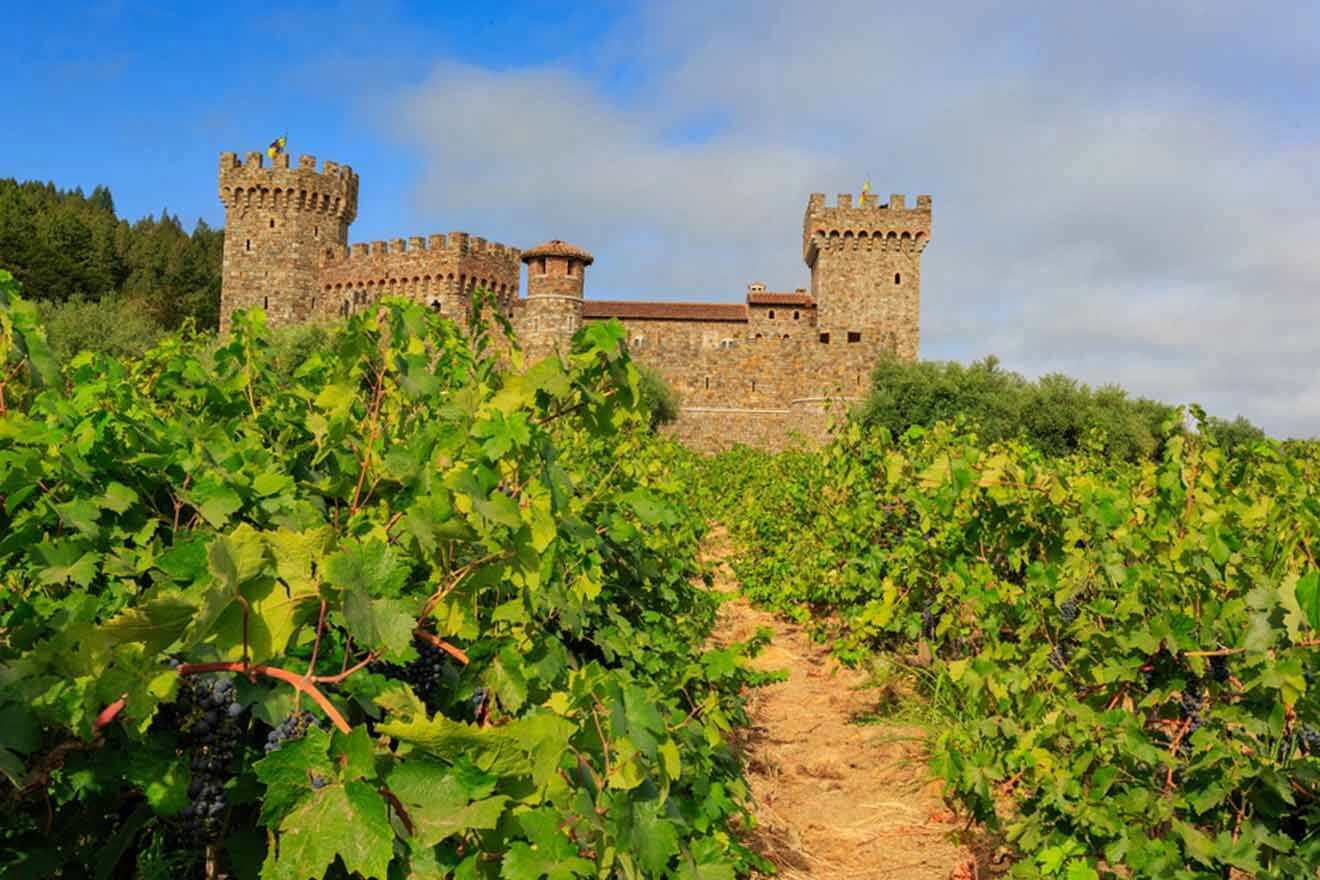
pixel 87 267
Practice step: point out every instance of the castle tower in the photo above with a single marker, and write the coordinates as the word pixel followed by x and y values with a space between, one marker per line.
pixel 279 221
pixel 553 311
pixel 865 263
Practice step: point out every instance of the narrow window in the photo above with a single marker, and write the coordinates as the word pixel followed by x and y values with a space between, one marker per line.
pixel 898 279
pixel 708 382
pixel 272 222
pixel 795 316
pixel 825 337
pixel 249 244
pixel 313 303
pixel 753 384
pixel 265 303
pixel 772 314
pixel 316 232
pixel 854 336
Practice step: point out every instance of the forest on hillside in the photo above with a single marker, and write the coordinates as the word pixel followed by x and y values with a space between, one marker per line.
pixel 107 281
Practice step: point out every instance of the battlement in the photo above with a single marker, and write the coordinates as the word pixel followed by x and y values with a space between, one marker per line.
pixel 459 244
pixel 250 184
pixel 868 224
pixel 816 203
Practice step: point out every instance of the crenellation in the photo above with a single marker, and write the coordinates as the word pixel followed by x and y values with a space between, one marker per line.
pixel 477 244
pixel 397 246
pixel 361 249
pixel 254 159
pixel 897 202
pixel 416 244
pixel 458 242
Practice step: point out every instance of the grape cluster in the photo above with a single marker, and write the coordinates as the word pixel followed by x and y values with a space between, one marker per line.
pixel 1068 611
pixel 294 726
pixel 208 714
pixel 1309 738
pixel 929 621
pixel 425 674
pixel 1219 669
pixel 1191 706
pixel 1059 656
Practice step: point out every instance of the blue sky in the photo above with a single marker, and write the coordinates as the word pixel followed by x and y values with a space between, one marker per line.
pixel 1123 192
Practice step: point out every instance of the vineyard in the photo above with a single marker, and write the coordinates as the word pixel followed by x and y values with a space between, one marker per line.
pixel 1121 655
pixel 404 606
pixel 394 611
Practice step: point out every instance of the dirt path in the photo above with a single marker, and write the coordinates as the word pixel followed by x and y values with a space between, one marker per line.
pixel 835 798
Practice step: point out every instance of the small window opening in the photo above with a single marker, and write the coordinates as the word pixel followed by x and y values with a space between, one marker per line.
pixel 772 314
pixel 753 384
pixel 435 305
pixel 795 316
pixel 854 336
pixel 708 382
pixel 825 337
pixel 758 337
pixel 249 244
pixel 272 222
pixel 265 302
pixel 316 232
pixel 898 278
pixel 313 303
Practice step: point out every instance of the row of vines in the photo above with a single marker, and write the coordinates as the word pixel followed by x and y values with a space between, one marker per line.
pixel 1123 657
pixel 406 609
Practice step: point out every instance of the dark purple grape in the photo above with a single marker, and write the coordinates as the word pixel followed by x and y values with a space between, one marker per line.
pixel 1068 611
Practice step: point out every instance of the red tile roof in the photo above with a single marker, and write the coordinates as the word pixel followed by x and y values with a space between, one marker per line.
pixel 556 248
pixel 663 311
pixel 766 298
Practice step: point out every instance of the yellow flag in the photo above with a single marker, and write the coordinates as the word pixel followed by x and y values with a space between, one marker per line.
pixel 866 188
pixel 277 146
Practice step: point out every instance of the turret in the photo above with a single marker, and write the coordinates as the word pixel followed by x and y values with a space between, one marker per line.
pixel 865 262
pixel 279 223
pixel 552 313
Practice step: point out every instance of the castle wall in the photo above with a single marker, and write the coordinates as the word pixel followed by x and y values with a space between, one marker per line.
pixel 439 271
pixel 750 391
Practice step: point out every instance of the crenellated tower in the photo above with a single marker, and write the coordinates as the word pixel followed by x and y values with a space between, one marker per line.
pixel 279 222
pixel 865 262
pixel 556 276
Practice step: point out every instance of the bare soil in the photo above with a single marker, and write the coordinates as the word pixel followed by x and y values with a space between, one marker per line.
pixel 835 797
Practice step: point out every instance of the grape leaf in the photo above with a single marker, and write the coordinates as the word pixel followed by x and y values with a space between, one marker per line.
pixel 348 821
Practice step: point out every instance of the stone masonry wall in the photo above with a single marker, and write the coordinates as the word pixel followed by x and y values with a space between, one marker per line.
pixel 439 271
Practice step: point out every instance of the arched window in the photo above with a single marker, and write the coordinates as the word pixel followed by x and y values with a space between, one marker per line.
pixel 772 314
pixel 272 222
pixel 898 279
pixel 435 305
pixel 795 315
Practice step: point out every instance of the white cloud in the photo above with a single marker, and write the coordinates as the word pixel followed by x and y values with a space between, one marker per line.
pixel 1122 193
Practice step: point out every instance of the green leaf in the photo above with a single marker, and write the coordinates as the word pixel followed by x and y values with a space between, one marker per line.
pixel 348 821
pixel 156 623
pixel 236 558
pixel 1308 597
pixel 370 567
pixel 438 801
pixel 379 624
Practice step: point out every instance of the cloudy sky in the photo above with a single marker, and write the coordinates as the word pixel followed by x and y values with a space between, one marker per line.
pixel 1123 192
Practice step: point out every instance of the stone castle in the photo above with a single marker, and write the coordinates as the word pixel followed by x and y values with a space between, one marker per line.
pixel 752 372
